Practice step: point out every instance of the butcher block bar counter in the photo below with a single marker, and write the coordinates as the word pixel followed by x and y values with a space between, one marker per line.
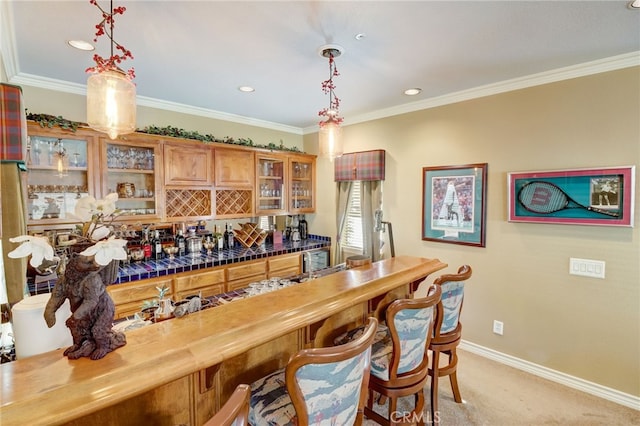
pixel 181 371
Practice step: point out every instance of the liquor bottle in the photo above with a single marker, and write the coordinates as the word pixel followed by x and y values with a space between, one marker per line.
pixel 156 246
pixel 225 237
pixel 146 245
pixel 220 238
pixel 231 238
pixel 303 227
pixel 180 243
pixel 228 237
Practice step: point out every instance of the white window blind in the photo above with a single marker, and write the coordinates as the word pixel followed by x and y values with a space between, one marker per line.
pixel 352 235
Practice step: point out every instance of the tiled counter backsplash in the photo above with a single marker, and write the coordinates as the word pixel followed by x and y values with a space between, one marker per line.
pixel 135 271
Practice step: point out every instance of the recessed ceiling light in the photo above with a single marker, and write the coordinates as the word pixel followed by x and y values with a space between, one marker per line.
pixel 635 4
pixel 360 36
pixel 246 89
pixel 80 44
pixel 412 92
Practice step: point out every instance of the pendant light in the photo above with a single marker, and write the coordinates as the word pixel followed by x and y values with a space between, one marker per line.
pixel 330 133
pixel 111 94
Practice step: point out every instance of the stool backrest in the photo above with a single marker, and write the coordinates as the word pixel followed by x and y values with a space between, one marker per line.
pixel 235 412
pixel 330 383
pixel 450 307
pixel 410 323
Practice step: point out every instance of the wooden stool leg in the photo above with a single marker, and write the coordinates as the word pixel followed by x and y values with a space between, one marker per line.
pixel 393 407
pixel 453 376
pixel 435 372
pixel 419 410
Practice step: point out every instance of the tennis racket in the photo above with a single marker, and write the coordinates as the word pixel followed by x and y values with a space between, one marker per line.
pixel 545 198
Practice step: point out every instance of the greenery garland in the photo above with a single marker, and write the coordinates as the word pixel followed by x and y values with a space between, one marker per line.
pixel 50 121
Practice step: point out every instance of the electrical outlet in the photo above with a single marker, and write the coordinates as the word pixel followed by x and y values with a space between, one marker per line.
pixel 498 327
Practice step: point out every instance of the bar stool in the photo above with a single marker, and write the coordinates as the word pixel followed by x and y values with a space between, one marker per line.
pixel 235 412
pixel 400 359
pixel 319 385
pixel 447 334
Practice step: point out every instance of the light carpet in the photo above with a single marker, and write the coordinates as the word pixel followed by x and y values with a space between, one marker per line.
pixel 498 395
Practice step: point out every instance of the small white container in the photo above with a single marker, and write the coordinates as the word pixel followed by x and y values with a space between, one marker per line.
pixel 32 336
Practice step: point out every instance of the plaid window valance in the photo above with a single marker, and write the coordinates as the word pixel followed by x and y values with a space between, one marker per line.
pixel 363 165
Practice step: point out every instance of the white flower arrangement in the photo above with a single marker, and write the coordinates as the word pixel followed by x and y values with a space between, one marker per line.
pixel 96 217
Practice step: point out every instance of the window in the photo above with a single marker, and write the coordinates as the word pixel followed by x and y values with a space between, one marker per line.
pixel 352 235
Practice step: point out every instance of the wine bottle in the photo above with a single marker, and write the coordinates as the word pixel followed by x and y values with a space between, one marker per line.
pixel 225 237
pixel 303 226
pixel 230 238
pixel 180 243
pixel 156 246
pixel 146 245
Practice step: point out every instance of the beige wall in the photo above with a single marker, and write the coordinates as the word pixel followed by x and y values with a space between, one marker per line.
pixel 584 327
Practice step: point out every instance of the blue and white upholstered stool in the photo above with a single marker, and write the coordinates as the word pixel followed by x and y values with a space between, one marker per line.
pixel 447 334
pixel 319 386
pixel 399 358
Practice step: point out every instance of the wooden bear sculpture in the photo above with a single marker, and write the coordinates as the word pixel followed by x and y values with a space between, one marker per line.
pixel 84 284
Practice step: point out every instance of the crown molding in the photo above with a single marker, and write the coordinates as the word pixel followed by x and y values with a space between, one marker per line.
pixel 588 68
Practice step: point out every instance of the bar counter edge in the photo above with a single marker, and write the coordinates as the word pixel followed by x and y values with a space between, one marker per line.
pixel 50 389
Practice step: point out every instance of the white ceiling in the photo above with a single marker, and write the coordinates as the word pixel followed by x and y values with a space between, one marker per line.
pixel 193 55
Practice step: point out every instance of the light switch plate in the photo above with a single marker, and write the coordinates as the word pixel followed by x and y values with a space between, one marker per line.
pixel 586 267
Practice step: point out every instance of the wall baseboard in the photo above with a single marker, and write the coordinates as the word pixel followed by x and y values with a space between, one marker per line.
pixel 595 389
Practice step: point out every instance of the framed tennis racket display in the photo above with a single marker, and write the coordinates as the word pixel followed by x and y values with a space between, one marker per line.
pixel 454 204
pixel 602 196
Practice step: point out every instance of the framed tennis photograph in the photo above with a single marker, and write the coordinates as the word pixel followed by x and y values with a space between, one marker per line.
pixel 454 204
pixel 603 196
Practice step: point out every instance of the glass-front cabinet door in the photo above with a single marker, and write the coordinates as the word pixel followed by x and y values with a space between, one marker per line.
pixel 302 184
pixel 131 170
pixel 270 184
pixel 60 167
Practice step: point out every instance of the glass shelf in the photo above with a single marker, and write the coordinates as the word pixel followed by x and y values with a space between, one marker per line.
pixel 131 172
pixel 270 190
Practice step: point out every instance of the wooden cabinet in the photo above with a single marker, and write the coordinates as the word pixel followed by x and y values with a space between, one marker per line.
pixel 234 182
pixel 132 167
pixel 188 176
pixel 207 284
pixel 234 168
pixel 270 184
pixel 52 193
pixel 302 184
pixel 161 179
pixel 285 266
pixel 240 276
pixel 188 164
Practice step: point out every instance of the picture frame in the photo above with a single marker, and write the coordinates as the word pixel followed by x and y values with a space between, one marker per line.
pixel 592 196
pixel 454 204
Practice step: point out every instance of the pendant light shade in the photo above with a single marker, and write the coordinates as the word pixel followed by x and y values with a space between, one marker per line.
pixel 111 103
pixel 111 93
pixel 330 139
